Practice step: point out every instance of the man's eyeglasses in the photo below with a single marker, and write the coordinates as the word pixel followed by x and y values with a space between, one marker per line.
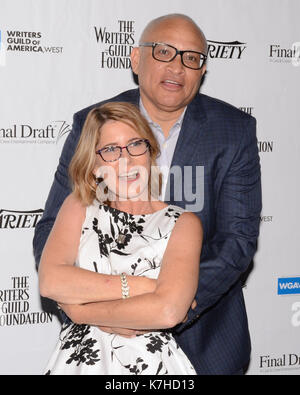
pixel 166 53
pixel 114 152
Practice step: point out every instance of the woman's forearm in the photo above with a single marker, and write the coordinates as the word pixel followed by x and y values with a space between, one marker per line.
pixel 73 285
pixel 147 311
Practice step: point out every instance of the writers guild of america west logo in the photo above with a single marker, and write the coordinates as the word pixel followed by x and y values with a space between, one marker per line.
pixel 27 42
pixel 225 50
pixel 11 219
pixel 24 133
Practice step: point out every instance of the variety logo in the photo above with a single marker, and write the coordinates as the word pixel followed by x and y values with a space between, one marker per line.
pixel 226 50
pixel 10 219
pixel 288 285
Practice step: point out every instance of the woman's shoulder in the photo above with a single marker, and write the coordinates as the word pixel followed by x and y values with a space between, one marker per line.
pixel 188 221
pixel 72 207
pixel 73 202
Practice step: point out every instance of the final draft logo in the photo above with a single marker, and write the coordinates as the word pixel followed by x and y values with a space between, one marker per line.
pixel 15 305
pixel 10 219
pixel 116 46
pixel 271 363
pixel 24 41
pixel 50 133
pixel 226 50
pixel 283 54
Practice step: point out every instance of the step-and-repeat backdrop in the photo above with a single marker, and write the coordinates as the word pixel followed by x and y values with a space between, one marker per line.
pixel 58 56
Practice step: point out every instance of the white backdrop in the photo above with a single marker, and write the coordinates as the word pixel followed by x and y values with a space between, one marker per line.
pixel 58 56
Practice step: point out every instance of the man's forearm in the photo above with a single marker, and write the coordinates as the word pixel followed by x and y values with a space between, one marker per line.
pixel 230 251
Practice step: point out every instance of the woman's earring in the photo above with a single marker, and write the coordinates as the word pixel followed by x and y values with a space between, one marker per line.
pixel 98 180
pixel 102 191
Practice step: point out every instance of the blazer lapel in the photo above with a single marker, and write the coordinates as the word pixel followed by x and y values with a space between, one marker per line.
pixel 191 131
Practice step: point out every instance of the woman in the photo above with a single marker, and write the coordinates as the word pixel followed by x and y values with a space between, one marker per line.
pixel 136 258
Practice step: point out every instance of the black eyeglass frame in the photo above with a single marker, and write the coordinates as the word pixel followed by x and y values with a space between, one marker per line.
pixel 148 147
pixel 154 44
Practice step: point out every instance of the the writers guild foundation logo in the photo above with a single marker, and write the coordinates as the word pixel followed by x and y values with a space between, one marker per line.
pixel 226 50
pixel 116 46
pixel 11 219
pixel 265 146
pixel 15 305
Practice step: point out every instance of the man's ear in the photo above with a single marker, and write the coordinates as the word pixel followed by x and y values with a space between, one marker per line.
pixel 135 60
pixel 203 70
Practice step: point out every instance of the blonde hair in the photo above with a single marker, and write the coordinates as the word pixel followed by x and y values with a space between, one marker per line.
pixel 82 164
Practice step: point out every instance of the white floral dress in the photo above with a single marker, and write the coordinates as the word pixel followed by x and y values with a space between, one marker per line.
pixel 113 242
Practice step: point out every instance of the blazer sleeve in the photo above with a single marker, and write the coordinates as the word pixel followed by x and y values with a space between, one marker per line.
pixel 60 189
pixel 237 226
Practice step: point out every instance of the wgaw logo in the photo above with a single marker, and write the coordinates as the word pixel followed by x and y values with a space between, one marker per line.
pixel 10 219
pixel 289 285
pixel 29 42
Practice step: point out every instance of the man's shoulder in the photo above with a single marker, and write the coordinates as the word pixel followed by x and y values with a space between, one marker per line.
pixel 131 96
pixel 219 109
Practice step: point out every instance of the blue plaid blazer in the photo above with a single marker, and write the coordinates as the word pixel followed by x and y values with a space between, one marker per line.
pixel 221 139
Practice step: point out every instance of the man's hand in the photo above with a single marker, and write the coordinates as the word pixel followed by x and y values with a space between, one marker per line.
pixel 130 333
pixel 193 306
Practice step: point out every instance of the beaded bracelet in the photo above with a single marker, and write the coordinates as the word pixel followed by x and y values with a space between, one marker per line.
pixel 125 286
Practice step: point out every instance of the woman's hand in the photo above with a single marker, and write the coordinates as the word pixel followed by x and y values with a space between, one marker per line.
pixel 129 333
pixel 73 312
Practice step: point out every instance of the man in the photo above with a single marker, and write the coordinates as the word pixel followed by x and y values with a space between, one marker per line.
pixel 198 131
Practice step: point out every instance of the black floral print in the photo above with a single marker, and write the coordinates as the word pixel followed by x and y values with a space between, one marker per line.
pixel 114 242
pixel 83 346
